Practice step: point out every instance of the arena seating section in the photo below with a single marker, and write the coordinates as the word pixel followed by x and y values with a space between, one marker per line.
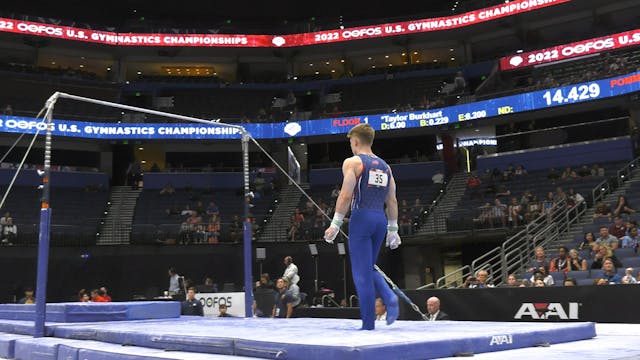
pixel 466 214
pixel 75 217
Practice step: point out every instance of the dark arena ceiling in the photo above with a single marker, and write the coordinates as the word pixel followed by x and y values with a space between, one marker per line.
pixel 188 14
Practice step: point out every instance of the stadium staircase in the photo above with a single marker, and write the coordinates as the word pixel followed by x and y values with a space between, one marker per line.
pixel 115 228
pixel 436 220
pixel 276 228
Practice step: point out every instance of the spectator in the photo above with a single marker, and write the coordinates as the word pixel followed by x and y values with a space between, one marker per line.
pixel 291 271
pixel 295 293
pixel 576 263
pixel 584 171
pixel 405 225
pixel 459 82
pixel 192 306
pixel 533 209
pixel 618 228
pixel 84 297
pixel 498 212
pixel 570 282
pixel 542 273
pixel 105 295
pixel 473 184
pixel 208 287
pixel 568 174
pixel 604 252
pixel 335 192
pixel 283 307
pixel 503 191
pixel 596 170
pixel 539 260
pixel 632 240
pixel 479 281
pixel 235 229
pixel 433 310
pixel 628 277
pixel 539 283
pixel 8 110
pixel 438 177
pixel 609 274
pixel 174 281
pixel 97 296
pixel 258 183
pixel 222 311
pixel 553 175
pixel 167 189
pixel 602 211
pixel 560 263
pixel 589 242
pixel 213 229
pixel 212 209
pixel 559 195
pixel 574 198
pixel 9 232
pixel 548 203
pixel 623 206
pixel 5 218
pixel 512 281
pixel 381 310
pixel 520 171
pixel 28 297
pixel 155 168
pixel 607 239
pixel 515 213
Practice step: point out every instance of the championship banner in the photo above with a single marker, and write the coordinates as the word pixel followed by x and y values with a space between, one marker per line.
pixel 532 101
pixel 573 50
pixel 211 303
pixel 236 40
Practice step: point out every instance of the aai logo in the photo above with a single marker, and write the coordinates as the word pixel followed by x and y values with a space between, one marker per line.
pixel 544 311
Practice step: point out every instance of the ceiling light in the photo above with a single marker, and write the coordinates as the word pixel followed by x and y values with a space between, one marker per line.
pixel 390 64
pixel 333 70
pixel 341 60
pixel 327 63
pixel 317 72
pixel 415 53
pixel 452 59
pixel 404 54
pixel 386 56
pixel 369 57
pixel 81 66
pixel 311 64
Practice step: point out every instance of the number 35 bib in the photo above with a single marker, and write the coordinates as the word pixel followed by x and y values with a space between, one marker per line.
pixel 378 177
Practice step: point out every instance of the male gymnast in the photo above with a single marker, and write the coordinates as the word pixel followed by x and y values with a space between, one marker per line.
pixel 368 185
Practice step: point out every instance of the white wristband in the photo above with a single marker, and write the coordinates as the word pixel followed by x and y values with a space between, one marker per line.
pixel 392 225
pixel 337 219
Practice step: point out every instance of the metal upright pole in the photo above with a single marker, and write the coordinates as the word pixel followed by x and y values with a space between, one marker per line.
pixel 45 222
pixel 248 271
pixel 344 278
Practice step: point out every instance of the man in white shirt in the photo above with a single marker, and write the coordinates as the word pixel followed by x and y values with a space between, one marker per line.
pixel 438 177
pixel 291 272
pixel 433 310
pixel 9 232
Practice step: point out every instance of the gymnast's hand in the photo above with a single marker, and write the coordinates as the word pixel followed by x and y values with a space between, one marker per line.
pixel 393 239
pixel 331 233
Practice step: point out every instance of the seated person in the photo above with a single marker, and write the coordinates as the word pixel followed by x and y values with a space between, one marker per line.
pixel 553 175
pixel 222 311
pixel 632 240
pixel 515 212
pixel 604 252
pixel 609 274
pixel 607 239
pixel 560 263
pixel 479 281
pixel 584 171
pixel 623 206
pixel 570 282
pixel 628 277
pixel 167 190
pixel 576 263
pixel 589 242
pixel 602 211
pixel 618 228
pixel 381 310
pixel 542 273
pixel 539 260
pixel 568 174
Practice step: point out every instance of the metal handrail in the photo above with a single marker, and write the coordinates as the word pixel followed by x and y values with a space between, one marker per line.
pixel 622 174
pixel 457 274
pixel 351 299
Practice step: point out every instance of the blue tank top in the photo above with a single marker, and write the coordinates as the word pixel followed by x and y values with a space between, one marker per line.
pixel 372 185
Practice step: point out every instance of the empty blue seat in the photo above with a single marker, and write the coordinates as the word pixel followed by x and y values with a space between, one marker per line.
pixel 584 282
pixel 580 274
pixel 623 253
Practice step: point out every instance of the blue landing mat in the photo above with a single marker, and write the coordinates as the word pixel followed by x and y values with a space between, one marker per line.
pixel 89 312
pixel 65 349
pixel 7 344
pixel 323 339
